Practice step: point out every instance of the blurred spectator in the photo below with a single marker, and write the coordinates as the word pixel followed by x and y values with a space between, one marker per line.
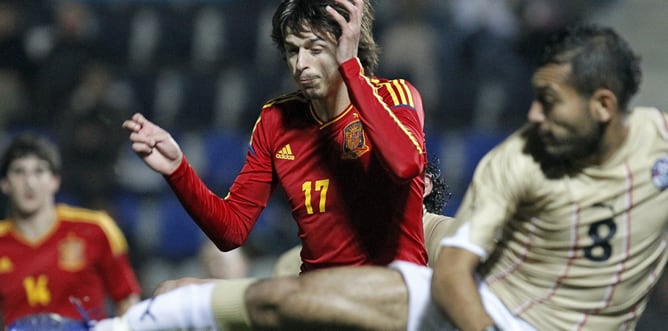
pixel 73 47
pixel 410 49
pixel 16 69
pixel 489 51
pixel 89 132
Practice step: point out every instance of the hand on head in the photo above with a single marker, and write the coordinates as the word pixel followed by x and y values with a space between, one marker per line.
pixel 350 29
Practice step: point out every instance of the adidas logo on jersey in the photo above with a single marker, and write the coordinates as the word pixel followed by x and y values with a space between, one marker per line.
pixel 285 153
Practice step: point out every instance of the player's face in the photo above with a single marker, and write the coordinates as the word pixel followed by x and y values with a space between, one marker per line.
pixel 561 116
pixel 312 62
pixel 30 184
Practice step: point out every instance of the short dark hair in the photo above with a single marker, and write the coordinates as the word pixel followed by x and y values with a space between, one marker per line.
pixel 599 58
pixel 31 144
pixel 294 14
pixel 440 194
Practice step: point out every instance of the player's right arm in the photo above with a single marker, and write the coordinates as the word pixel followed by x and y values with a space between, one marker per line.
pixel 227 222
pixel 498 184
pixel 454 289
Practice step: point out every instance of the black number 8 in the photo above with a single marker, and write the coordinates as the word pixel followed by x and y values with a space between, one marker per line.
pixel 603 242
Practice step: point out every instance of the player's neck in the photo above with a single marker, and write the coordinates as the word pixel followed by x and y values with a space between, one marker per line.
pixel 35 225
pixel 613 139
pixel 329 107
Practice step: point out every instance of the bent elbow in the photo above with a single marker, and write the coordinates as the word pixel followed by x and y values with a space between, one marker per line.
pixel 408 170
pixel 409 173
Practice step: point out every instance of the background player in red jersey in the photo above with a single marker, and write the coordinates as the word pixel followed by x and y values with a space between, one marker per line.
pixel 347 148
pixel 51 254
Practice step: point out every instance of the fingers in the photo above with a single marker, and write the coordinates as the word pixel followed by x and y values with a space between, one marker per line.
pixel 144 135
pixel 348 42
pixel 354 8
pixel 336 16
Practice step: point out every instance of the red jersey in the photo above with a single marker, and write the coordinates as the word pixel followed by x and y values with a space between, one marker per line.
pixel 84 256
pixel 354 183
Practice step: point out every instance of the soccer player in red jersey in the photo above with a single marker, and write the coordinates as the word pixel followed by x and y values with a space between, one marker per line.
pixel 347 148
pixel 53 254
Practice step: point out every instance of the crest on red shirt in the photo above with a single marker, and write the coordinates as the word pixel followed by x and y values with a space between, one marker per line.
pixel 71 253
pixel 354 143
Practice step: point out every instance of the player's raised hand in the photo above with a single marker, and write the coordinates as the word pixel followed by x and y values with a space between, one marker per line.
pixel 350 29
pixel 153 144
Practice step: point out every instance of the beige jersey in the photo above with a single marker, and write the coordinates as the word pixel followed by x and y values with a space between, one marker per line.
pixel 436 227
pixel 580 252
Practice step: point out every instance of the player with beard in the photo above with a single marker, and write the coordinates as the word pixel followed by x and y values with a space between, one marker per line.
pixel 564 221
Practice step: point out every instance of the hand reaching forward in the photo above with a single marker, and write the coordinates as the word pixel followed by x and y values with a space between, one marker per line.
pixel 153 144
pixel 350 29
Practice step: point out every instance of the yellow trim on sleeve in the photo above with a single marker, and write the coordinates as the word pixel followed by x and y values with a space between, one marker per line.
pixel 111 230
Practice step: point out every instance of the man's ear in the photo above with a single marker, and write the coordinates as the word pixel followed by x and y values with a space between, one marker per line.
pixel 428 186
pixel 603 104
pixel 56 183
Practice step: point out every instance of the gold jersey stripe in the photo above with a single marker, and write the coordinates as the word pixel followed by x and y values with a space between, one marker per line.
pixel 394 117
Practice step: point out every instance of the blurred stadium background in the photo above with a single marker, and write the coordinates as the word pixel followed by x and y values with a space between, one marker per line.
pixel 202 69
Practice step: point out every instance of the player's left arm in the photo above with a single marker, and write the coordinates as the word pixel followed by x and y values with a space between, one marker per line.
pixel 119 278
pixel 393 119
pixel 398 138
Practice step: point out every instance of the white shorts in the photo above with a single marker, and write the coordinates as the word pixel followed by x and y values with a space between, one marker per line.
pixel 423 315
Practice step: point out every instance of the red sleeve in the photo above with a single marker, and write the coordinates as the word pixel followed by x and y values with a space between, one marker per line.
pixel 393 118
pixel 227 222
pixel 121 281
pixel 119 277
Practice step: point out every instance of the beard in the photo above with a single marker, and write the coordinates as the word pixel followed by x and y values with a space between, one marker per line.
pixel 563 155
pixel 574 147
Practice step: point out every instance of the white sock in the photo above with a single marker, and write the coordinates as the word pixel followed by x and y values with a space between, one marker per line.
pixel 184 308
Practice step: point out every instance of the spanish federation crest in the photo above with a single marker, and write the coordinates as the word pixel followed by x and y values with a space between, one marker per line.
pixel 354 143
pixel 660 173
pixel 71 253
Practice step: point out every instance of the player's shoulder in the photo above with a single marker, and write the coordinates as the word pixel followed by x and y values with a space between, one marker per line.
pixel 285 101
pixel 79 218
pixel 75 213
pixel 649 117
pixel 390 82
pixel 397 88
pixel 285 111
pixel 511 148
pixel 84 216
pixel 5 227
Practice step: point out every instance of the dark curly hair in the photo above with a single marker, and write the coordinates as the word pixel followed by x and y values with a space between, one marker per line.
pixel 440 194
pixel 600 58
